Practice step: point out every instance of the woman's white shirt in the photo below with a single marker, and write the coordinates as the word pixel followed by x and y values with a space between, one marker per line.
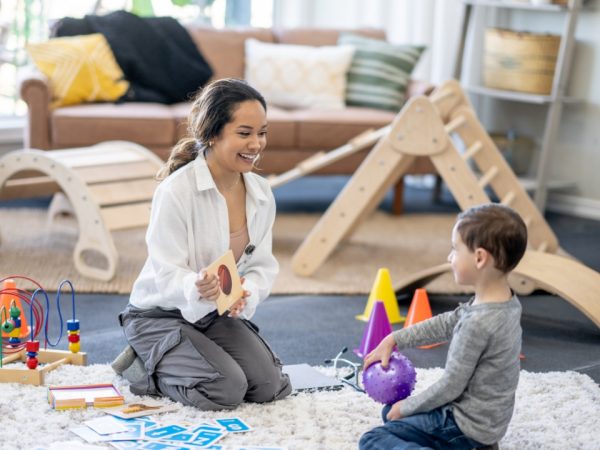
pixel 189 229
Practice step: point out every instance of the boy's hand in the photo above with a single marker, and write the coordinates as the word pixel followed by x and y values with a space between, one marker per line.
pixel 381 353
pixel 395 413
pixel 208 286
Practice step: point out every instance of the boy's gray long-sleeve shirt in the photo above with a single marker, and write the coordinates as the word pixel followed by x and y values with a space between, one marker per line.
pixel 482 366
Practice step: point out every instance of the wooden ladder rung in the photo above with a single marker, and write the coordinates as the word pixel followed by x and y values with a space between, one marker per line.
pixel 120 192
pixel 472 150
pixel 126 216
pixel 454 124
pixel 508 198
pixel 488 176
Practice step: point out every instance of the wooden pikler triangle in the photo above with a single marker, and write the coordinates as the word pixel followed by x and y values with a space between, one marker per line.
pixel 420 130
pixel 426 126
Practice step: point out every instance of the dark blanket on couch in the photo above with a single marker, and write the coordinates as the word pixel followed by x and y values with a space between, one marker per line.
pixel 156 54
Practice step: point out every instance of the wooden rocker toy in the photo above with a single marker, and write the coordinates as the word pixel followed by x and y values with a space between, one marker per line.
pixel 109 187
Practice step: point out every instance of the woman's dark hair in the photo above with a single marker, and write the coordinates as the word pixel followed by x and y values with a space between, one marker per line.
pixel 212 108
pixel 497 229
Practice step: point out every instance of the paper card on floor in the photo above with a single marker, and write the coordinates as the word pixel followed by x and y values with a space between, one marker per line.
pixel 141 409
pixel 234 425
pixel 132 432
pixel 127 445
pixel 164 431
pixel 207 427
pixel 106 425
pixel 162 446
pixel 229 280
pixel 206 438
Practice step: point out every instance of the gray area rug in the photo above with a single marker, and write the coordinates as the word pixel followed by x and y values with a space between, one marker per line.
pixel 32 247
pixel 554 411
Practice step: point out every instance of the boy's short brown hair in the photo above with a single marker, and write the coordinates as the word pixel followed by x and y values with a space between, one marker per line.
pixel 497 229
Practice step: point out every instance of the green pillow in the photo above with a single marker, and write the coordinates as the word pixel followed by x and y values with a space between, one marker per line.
pixel 379 73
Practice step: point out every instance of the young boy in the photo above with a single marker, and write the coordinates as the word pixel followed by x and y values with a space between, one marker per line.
pixel 472 404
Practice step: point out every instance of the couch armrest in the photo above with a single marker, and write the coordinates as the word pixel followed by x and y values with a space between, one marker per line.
pixel 36 92
pixel 418 87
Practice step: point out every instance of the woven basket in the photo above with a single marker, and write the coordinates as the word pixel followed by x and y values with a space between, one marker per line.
pixel 520 61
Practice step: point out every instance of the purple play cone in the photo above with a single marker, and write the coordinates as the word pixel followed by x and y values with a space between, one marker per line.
pixel 377 328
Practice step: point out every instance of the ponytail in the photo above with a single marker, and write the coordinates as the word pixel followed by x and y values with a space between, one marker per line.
pixel 184 152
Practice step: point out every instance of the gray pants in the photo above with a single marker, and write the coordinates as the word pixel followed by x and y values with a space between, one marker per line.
pixel 213 364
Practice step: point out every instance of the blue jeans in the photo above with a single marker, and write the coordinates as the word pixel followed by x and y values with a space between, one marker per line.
pixel 436 429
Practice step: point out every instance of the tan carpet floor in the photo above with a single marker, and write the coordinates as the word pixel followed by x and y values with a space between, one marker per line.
pixel 30 246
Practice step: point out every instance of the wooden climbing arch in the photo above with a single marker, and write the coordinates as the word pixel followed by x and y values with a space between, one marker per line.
pixel 109 186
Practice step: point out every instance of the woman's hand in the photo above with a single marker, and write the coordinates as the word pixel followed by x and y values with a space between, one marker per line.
pixel 208 286
pixel 237 308
pixel 381 353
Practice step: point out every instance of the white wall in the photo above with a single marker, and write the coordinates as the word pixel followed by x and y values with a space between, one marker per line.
pixel 576 155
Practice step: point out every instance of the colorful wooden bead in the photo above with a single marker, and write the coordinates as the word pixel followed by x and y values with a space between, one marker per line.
pixel 8 326
pixel 72 324
pixel 74 347
pixel 32 363
pixel 14 311
pixel 32 346
pixel 73 338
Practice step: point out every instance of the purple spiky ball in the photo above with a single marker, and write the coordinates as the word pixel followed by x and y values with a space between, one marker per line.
pixel 393 384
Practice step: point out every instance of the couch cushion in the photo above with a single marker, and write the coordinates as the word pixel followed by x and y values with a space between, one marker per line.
pixel 224 48
pixel 144 123
pixel 321 36
pixel 281 131
pixel 326 130
pixel 299 76
pixel 380 72
pixel 80 68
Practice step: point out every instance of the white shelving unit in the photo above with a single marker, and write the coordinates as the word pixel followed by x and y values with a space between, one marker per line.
pixel 554 101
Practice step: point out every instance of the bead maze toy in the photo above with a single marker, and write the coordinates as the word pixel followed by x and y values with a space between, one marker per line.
pixel 109 187
pixel 428 126
pixel 14 328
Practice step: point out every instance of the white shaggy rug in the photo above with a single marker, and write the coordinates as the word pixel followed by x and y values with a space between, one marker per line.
pixel 557 410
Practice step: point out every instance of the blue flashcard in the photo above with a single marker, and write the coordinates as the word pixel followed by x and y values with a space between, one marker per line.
pixel 162 446
pixel 207 427
pixel 163 432
pixel 186 436
pixel 206 438
pixel 234 425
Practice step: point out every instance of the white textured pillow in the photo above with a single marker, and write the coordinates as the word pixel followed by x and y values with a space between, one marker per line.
pixel 299 76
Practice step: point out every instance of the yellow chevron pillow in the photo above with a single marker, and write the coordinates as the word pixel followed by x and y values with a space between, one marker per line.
pixel 80 68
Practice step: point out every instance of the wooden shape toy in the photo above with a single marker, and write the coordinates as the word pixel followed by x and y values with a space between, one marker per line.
pixel 229 280
pixel 109 185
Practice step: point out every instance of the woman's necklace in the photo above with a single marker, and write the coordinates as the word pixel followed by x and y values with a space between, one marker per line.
pixel 222 188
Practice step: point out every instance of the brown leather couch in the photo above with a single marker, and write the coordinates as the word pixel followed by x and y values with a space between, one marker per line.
pixel 293 135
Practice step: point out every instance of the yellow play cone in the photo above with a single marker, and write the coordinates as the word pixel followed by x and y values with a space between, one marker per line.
pixel 383 291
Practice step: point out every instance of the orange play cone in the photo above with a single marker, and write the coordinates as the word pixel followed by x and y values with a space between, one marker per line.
pixel 419 311
pixel 9 291
pixel 383 291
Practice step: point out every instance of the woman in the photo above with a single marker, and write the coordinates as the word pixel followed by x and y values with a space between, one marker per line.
pixel 208 201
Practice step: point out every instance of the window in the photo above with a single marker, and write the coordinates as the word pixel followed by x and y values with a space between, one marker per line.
pixel 23 21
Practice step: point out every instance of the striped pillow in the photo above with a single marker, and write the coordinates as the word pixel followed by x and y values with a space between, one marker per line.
pixel 379 73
